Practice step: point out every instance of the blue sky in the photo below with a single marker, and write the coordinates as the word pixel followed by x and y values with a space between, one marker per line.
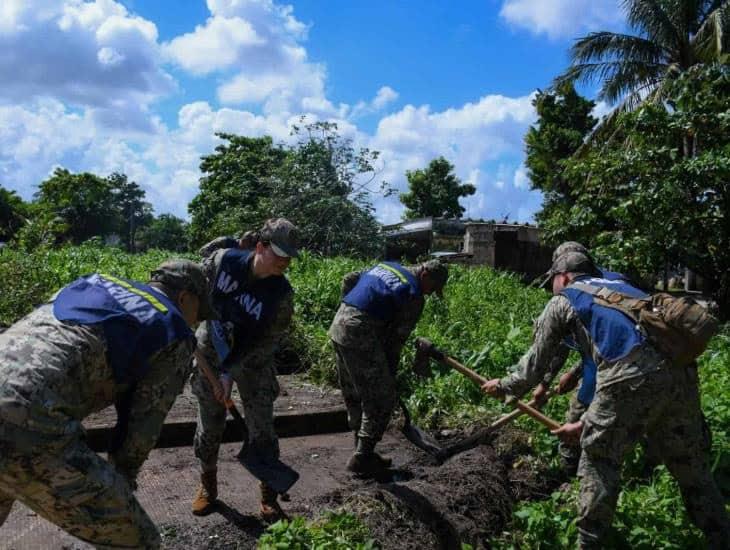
pixel 141 86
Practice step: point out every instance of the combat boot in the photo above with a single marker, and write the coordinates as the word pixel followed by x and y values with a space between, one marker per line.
pixel 270 511
pixel 366 460
pixel 207 493
pixel 367 463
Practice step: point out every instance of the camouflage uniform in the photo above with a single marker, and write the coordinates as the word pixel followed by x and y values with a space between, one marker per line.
pixel 217 244
pixel 255 376
pixel 367 351
pixel 639 394
pixel 52 375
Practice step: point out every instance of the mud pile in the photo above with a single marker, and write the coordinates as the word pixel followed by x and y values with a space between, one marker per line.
pixel 468 499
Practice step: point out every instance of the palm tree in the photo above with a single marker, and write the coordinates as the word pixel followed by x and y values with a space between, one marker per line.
pixel 671 36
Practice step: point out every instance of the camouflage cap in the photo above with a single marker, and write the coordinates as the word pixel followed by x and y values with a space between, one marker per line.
pixel 569 246
pixel 570 262
pixel 438 272
pixel 282 235
pixel 186 275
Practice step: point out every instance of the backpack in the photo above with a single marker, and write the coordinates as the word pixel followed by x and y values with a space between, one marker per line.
pixel 678 327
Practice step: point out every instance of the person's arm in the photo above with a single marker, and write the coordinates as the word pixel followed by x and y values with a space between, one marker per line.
pixel 404 321
pixel 551 328
pixel 149 404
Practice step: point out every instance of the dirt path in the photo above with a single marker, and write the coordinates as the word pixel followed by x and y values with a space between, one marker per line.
pixel 420 504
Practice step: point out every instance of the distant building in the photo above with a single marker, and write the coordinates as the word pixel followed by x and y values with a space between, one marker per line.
pixel 509 247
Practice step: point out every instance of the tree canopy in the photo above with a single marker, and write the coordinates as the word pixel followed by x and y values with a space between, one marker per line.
pixel 320 182
pixel 13 211
pixel 670 36
pixel 435 191
pixel 651 199
pixel 564 119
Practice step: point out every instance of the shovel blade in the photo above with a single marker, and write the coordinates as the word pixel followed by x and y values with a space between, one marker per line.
pixel 272 471
pixel 422 440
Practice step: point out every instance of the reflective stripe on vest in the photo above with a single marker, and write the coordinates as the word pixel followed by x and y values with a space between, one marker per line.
pixel 138 321
pixel 382 289
pixel 612 332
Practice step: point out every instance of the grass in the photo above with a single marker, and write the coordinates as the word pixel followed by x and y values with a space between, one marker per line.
pixel 485 322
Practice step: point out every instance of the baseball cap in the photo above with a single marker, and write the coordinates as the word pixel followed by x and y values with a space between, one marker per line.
pixel 569 246
pixel 438 273
pixel 182 274
pixel 283 236
pixel 570 262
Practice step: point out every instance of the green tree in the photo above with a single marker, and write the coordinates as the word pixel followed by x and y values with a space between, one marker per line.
pixel 670 37
pixel 166 232
pixel 320 182
pixel 647 205
pixel 83 203
pixel 13 213
pixel 564 119
pixel 133 211
pixel 234 180
pixel 435 191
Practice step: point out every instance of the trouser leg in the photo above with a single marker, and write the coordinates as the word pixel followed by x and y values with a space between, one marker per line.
pixel 259 389
pixel 349 392
pixel 616 419
pixel 210 426
pixel 570 454
pixel 681 437
pixel 6 503
pixel 83 494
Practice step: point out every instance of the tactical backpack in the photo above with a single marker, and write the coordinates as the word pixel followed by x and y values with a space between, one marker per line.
pixel 679 327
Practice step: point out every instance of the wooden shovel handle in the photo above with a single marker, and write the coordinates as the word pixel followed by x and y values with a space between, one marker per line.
pixel 212 379
pixel 480 380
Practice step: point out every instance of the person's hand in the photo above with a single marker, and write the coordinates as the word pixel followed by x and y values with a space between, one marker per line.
pixel 568 381
pixel 569 433
pixel 493 388
pixel 540 395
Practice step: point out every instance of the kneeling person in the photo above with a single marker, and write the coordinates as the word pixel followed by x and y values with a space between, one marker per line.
pixel 379 310
pixel 101 341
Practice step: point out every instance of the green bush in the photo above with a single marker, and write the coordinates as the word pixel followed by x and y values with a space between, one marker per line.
pixel 335 531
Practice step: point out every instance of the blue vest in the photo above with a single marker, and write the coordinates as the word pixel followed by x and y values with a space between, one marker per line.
pixel 612 332
pixel 138 321
pixel 250 305
pixel 382 289
pixel 590 371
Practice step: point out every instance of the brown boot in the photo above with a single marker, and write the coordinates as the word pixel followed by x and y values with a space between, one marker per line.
pixel 270 511
pixel 207 493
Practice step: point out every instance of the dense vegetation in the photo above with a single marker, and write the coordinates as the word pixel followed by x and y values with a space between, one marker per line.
pixel 485 321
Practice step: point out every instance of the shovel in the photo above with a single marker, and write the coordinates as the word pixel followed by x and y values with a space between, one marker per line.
pixel 480 436
pixel 526 408
pixel 417 436
pixel 272 471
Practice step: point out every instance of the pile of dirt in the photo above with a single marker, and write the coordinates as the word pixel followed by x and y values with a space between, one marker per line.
pixel 467 499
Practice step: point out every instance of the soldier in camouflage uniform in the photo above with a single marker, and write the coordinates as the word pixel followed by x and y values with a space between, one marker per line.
pixel 255 305
pixel 583 371
pixel 638 393
pixel 101 341
pixel 379 310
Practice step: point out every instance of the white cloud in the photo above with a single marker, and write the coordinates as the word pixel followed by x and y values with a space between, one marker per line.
pixel 385 95
pixel 562 18
pixel 520 180
pixel 85 54
pixel 216 45
pixel 93 70
pixel 255 47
